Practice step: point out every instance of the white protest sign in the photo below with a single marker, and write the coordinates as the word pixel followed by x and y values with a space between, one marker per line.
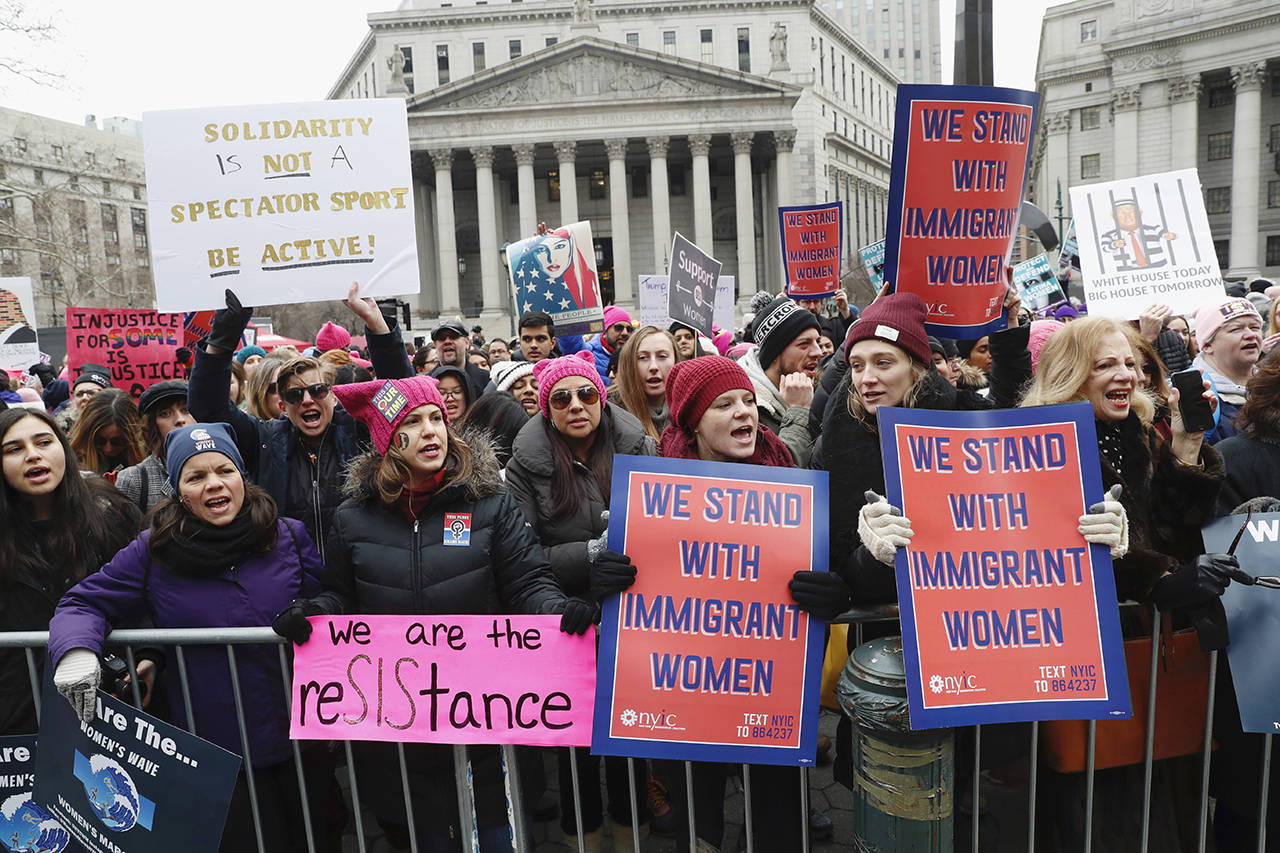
pixel 1145 240
pixel 651 299
pixel 281 203
pixel 19 348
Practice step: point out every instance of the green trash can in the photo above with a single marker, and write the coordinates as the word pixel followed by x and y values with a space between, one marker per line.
pixel 904 781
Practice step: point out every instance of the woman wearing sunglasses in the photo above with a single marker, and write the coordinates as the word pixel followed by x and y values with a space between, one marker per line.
pixel 299 458
pixel 560 471
pixel 107 436
pixel 399 545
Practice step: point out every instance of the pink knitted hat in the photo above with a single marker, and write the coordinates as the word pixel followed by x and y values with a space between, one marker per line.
pixel 551 370
pixel 1041 331
pixel 383 404
pixel 723 339
pixel 614 314
pixel 332 336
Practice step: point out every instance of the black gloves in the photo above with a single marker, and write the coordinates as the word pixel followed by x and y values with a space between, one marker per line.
pixel 823 594
pixel 611 573
pixel 291 623
pixel 1199 583
pixel 228 324
pixel 578 615
pixel 1197 589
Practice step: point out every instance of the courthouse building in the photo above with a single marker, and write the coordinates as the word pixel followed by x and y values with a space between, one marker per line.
pixel 1131 87
pixel 642 118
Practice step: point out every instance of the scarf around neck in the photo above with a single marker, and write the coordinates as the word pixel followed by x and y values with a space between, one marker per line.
pixel 202 549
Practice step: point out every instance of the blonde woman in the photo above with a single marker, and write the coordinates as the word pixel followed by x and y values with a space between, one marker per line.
pixel 641 386
pixel 107 436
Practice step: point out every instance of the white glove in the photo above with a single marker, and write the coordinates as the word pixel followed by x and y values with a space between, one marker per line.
pixel 883 528
pixel 1107 523
pixel 77 678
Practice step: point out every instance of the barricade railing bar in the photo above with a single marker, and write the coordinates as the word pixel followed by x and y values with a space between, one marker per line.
pixel 176 639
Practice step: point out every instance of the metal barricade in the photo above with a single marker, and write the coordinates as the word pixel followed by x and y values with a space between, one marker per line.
pixel 231 638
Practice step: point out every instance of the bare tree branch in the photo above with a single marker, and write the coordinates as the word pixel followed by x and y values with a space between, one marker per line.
pixel 22 32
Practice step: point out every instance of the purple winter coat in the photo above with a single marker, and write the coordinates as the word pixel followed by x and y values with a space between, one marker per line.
pixel 132 585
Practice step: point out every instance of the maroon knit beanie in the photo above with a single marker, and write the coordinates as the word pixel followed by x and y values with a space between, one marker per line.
pixel 897 318
pixel 693 385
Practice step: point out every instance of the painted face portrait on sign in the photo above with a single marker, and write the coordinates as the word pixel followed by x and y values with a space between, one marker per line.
pixel 554 275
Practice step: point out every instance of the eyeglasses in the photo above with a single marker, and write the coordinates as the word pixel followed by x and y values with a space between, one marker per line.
pixel 451 395
pixel 589 395
pixel 104 441
pixel 293 396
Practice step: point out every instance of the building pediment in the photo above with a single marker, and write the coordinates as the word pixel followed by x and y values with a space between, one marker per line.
pixel 586 70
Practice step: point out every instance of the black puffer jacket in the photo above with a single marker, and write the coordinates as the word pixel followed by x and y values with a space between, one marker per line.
pixel 380 562
pixel 850 451
pixel 529 475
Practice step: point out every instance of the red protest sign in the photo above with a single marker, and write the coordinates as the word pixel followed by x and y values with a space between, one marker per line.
pixel 960 156
pixel 197 326
pixel 812 241
pixel 1007 613
pixel 707 656
pixel 140 347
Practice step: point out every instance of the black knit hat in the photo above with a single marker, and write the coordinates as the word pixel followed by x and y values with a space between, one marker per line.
pixel 780 323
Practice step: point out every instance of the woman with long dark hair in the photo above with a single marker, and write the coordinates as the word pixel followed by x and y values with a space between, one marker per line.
pixel 561 471
pixel 215 554
pixel 58 527
pixel 387 553
pixel 107 434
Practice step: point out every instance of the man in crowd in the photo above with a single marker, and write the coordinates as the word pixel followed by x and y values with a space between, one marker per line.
pixel 835 327
pixel 298 459
pixel 604 348
pixel 452 343
pixel 686 340
pixel 781 368
pixel 1229 334
pixel 537 336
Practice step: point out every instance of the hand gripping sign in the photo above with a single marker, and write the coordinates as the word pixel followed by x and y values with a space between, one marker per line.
pixel 1007 613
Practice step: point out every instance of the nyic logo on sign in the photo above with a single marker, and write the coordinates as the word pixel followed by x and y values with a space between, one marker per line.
pixel 661 720
pixel 955 684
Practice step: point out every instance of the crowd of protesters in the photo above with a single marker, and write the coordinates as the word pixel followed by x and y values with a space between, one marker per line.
pixel 267 487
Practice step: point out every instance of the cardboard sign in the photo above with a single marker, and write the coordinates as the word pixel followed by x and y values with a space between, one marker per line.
pixel 556 273
pixel 444 679
pixel 1144 241
pixel 873 260
pixel 127 781
pixel 140 347
pixel 812 246
pixel 651 301
pixel 1007 613
pixel 281 203
pixel 1069 254
pixel 692 285
pixel 707 656
pixel 960 163
pixel 25 825
pixel 1037 284
pixel 1253 617
pixel 19 346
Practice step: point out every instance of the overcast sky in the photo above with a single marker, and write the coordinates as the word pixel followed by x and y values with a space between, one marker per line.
pixel 129 56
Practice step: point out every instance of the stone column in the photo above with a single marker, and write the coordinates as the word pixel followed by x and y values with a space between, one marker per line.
pixel 446 236
pixel 1246 138
pixel 487 214
pixel 1057 163
pixel 565 154
pixel 424 214
pixel 525 189
pixel 784 141
pixel 700 145
pixel 620 222
pixel 743 204
pixel 1184 115
pixel 1125 101
pixel 661 202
